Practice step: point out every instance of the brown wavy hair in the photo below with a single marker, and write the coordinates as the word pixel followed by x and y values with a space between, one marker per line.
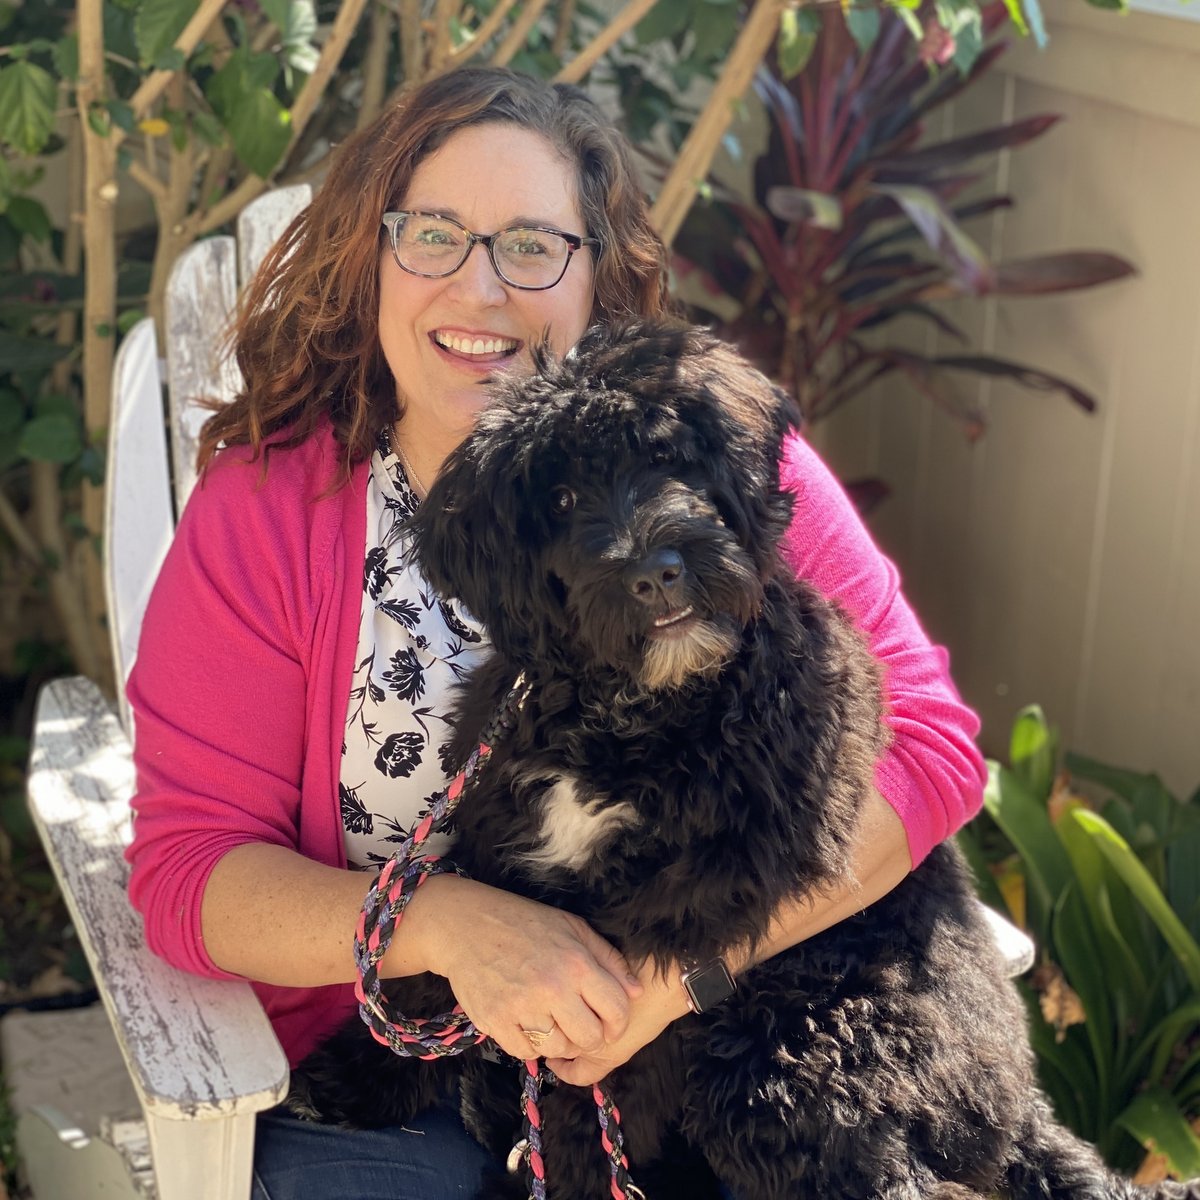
pixel 306 336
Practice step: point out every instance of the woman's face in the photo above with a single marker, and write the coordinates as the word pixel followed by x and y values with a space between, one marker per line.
pixel 486 177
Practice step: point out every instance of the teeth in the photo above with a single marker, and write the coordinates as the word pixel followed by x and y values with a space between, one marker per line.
pixel 475 345
pixel 672 618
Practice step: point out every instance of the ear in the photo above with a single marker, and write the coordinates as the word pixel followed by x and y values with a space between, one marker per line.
pixel 747 416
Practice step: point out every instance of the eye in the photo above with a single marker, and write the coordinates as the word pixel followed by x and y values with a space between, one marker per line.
pixel 562 500
pixel 662 455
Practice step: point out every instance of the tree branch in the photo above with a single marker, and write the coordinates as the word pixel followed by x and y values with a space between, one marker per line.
pixel 483 35
pixel 695 157
pixel 522 26
pixel 562 31
pixel 443 11
pixel 608 37
pixel 375 65
pixel 411 43
pixel 147 180
pixel 11 523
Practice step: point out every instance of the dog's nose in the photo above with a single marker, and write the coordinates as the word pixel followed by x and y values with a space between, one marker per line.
pixel 655 577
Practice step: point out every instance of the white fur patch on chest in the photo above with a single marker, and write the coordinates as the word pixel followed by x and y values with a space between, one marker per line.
pixel 573 830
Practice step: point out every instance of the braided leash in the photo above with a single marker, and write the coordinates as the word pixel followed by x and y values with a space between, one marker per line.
pixel 453 1032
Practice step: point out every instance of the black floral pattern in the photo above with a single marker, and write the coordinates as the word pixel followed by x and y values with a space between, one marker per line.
pixel 406 678
pixel 354 816
pixel 400 754
pixel 412 648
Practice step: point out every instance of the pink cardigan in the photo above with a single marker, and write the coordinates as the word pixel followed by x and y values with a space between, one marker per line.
pixel 243 677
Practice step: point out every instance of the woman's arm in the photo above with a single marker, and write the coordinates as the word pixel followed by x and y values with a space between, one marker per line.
pixel 270 914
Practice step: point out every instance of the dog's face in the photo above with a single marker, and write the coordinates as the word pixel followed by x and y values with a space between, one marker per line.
pixel 619 509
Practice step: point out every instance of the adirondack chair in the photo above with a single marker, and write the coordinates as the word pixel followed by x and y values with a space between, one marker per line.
pixel 200 1054
pixel 194 1060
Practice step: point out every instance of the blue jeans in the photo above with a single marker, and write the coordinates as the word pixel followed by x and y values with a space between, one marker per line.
pixel 431 1158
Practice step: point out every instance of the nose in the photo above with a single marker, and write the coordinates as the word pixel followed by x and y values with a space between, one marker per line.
pixel 477 280
pixel 656 577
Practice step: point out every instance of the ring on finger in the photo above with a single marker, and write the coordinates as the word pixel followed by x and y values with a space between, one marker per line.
pixel 538 1037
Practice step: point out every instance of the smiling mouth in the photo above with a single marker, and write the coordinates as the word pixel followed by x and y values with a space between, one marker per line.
pixel 673 618
pixel 491 349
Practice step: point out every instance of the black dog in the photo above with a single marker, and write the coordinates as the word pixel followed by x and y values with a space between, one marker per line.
pixel 711 727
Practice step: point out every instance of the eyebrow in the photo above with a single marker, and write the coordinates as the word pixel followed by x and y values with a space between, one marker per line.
pixel 441 210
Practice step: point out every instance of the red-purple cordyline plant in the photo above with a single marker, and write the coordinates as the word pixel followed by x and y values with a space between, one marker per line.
pixel 856 221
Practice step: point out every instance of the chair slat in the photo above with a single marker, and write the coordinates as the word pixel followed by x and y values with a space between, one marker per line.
pixel 261 222
pixel 139 520
pixel 201 294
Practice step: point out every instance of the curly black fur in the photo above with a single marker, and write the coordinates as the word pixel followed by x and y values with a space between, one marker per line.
pixel 731 749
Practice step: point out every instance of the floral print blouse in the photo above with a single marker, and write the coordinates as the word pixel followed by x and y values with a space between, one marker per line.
pixel 413 646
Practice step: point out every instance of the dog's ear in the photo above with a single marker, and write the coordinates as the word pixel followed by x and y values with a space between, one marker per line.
pixel 474 538
pixel 745 418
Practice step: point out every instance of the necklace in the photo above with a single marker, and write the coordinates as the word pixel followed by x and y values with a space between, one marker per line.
pixel 413 478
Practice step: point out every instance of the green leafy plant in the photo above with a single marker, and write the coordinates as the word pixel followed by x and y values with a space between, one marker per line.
pixel 1111 894
pixel 858 220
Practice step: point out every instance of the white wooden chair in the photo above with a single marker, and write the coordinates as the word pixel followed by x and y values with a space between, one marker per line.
pixel 200 1054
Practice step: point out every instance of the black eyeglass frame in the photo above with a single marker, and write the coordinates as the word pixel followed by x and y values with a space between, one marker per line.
pixel 390 221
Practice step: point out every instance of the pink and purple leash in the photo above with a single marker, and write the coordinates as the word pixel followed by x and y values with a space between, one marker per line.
pixel 453 1032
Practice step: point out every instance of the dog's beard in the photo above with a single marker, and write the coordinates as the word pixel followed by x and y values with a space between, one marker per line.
pixel 722 586
pixel 699 650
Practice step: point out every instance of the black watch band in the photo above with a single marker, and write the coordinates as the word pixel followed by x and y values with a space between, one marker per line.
pixel 707 984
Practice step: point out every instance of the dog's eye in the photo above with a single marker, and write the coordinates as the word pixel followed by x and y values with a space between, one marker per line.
pixel 662 455
pixel 562 500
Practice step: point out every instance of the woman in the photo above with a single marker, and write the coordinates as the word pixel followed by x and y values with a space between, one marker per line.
pixel 292 681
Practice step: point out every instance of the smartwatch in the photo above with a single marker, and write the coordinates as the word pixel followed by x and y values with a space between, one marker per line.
pixel 707 984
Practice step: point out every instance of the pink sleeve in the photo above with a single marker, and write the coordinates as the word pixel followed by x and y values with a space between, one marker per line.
pixel 218 695
pixel 932 773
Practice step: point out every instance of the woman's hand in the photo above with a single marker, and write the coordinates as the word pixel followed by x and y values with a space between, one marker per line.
pixel 514 964
pixel 661 1001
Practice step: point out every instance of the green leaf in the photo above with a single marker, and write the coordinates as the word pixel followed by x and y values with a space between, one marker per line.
pixel 663 21
pixel 863 24
pixel 819 209
pixel 1155 1120
pixel 1145 890
pixel 157 24
pixel 30 218
pixel 1033 751
pixel 66 57
pixel 1024 821
pixel 297 24
pixel 1165 1039
pixel 208 128
pixel 1076 950
pixel 19 353
pixel 798 29
pixel 1103 893
pixel 28 96
pixel 52 403
pixel 12 413
pixel 242 74
pixel 985 881
pixel 51 439
pixel 714 29
pixel 260 131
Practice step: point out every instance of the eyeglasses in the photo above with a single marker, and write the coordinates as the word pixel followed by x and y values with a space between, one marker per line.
pixel 530 257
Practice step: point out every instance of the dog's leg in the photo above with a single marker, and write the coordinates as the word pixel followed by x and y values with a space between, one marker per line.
pixel 1053 1164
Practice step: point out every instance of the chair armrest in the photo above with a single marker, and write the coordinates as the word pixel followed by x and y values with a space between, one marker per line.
pixel 196 1048
pixel 1015 946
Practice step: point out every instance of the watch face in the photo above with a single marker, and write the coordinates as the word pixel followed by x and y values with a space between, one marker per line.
pixel 709 985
